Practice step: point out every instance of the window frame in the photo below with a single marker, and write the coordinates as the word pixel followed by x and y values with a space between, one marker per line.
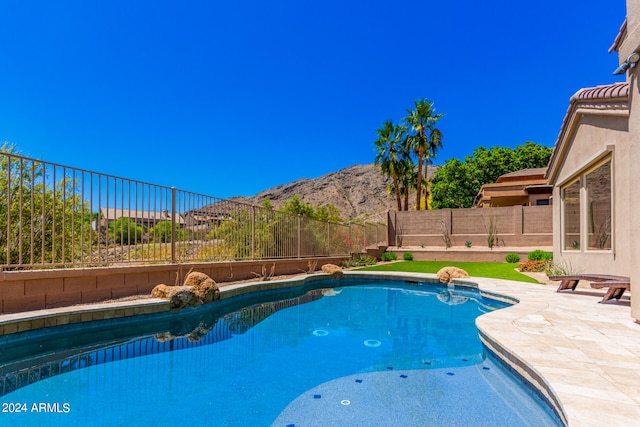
pixel 581 178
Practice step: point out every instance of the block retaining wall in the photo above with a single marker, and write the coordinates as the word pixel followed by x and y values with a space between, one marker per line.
pixel 516 226
pixel 40 289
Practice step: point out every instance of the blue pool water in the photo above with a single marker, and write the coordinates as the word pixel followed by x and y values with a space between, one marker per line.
pixel 365 353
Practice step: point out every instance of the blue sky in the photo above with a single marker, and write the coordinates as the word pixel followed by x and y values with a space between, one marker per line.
pixel 231 98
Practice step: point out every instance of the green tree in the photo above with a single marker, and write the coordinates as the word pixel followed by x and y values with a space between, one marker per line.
pixel 266 204
pixel 296 206
pixel 126 231
pixel 162 232
pixel 389 154
pixel 41 221
pixel 328 213
pixel 456 183
pixel 424 139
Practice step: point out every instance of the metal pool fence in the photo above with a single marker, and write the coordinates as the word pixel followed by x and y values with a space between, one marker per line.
pixel 58 216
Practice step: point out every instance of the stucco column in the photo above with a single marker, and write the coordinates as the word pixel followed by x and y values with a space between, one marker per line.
pixel 632 44
pixel 634 196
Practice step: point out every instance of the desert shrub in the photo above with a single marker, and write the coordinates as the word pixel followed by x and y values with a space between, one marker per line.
pixel 162 232
pixel 468 243
pixel 407 256
pixel 389 256
pixel 124 231
pixel 562 269
pixel 540 255
pixel 512 258
pixel 359 260
pixel 538 265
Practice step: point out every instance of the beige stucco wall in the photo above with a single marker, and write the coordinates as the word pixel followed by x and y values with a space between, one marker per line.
pixel 632 44
pixel 594 136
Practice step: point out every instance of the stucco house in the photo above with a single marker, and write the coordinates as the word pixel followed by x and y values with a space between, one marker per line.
pixel 594 167
pixel 526 187
pixel 147 219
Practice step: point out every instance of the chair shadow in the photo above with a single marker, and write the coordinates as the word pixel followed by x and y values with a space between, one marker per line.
pixel 625 301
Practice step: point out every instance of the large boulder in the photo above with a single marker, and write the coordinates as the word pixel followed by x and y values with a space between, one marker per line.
pixel 183 296
pixel 160 291
pixel 195 278
pixel 204 286
pixel 207 292
pixel 333 270
pixel 179 296
pixel 447 274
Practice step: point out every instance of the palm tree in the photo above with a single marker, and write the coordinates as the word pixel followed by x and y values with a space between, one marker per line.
pixel 425 139
pixel 389 155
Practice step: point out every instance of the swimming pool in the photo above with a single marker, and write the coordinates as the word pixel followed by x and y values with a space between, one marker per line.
pixel 333 352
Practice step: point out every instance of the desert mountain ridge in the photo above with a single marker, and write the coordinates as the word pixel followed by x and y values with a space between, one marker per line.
pixel 359 192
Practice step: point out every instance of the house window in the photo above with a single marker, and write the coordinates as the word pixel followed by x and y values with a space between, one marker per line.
pixel 542 202
pixel 586 207
pixel 598 189
pixel 571 205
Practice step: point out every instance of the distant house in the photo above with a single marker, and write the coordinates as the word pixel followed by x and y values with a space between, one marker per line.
pixel 147 219
pixel 593 170
pixel 526 187
pixel 197 218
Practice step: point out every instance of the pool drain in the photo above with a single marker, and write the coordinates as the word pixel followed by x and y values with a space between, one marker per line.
pixel 372 343
pixel 346 402
pixel 320 333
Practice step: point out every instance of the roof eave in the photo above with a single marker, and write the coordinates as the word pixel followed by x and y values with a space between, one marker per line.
pixel 622 34
pixel 609 99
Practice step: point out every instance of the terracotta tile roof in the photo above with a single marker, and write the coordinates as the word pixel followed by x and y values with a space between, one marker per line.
pixel 622 34
pixel 602 93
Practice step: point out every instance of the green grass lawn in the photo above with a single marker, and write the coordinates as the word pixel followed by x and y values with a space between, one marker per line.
pixel 496 270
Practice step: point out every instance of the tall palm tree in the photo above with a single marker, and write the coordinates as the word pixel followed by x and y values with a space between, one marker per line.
pixel 425 139
pixel 389 153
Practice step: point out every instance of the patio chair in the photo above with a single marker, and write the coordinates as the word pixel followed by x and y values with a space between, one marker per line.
pixel 616 284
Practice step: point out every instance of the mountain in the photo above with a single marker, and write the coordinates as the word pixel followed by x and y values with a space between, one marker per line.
pixel 359 192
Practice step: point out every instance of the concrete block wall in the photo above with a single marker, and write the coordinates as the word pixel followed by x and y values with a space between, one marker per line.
pixel 40 289
pixel 537 220
pixel 516 226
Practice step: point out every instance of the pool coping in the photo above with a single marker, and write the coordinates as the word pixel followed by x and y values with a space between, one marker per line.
pixel 582 357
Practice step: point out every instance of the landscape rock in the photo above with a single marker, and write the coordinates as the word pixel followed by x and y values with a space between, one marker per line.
pixel 183 296
pixel 179 296
pixel 204 286
pixel 332 269
pixel 195 278
pixel 208 291
pixel 447 274
pixel 160 291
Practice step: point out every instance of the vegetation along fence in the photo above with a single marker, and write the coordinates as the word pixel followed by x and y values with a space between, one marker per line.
pixel 58 216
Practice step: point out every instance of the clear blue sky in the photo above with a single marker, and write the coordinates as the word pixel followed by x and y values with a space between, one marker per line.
pixel 231 98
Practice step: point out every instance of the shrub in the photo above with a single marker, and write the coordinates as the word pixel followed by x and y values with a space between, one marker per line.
pixel 124 231
pixel 407 256
pixel 562 269
pixel 162 232
pixel 389 256
pixel 359 261
pixel 540 255
pixel 512 258
pixel 535 265
pixel 468 243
